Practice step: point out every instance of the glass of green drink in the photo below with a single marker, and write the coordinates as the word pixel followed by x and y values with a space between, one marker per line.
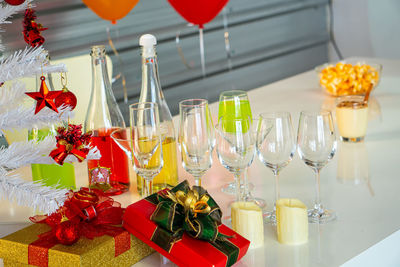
pixel 234 104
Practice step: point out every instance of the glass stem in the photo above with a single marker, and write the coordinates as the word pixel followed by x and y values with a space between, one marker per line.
pixel 238 189
pixel 148 189
pixel 277 192
pixel 317 204
pixel 197 180
pixel 245 184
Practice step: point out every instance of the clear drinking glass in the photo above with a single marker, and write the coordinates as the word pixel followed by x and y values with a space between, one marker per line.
pixel 316 141
pixel 275 146
pixel 235 143
pixel 146 142
pixel 235 104
pixel 196 137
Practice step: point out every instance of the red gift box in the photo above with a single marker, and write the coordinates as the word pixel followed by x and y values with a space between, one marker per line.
pixel 188 251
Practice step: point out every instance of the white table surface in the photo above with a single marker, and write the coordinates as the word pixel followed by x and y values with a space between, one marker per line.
pixel 361 183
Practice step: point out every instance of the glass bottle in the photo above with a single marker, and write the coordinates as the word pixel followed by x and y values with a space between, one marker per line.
pixel 50 174
pixel 151 92
pixel 111 172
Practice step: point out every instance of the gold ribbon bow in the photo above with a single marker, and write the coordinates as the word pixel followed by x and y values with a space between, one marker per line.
pixel 191 201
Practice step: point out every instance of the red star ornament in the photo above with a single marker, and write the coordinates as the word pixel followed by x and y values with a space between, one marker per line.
pixel 44 97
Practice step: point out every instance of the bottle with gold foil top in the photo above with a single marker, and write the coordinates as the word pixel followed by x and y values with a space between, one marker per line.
pixel 110 173
pixel 151 92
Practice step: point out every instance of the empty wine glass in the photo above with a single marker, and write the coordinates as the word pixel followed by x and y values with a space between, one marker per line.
pixel 235 143
pixel 142 143
pixel 275 146
pixel 316 140
pixel 196 137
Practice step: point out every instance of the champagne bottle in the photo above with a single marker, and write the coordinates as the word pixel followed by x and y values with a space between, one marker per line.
pixel 151 92
pixel 111 172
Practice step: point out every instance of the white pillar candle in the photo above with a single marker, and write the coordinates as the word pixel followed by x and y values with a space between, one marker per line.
pixel 292 221
pixel 247 220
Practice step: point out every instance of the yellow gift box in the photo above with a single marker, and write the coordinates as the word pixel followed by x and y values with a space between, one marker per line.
pixel 100 251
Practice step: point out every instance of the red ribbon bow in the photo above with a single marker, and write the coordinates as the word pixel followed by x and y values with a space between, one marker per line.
pixel 89 212
pixel 70 141
pixel 64 149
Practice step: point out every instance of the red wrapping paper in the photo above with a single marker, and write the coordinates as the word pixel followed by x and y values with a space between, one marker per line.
pixel 187 252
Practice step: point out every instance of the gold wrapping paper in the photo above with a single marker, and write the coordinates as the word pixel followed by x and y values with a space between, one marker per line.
pixel 97 252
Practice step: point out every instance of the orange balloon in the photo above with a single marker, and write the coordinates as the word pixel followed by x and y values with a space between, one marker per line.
pixel 111 9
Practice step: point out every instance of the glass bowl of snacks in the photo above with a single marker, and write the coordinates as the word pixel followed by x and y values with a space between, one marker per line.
pixel 349 77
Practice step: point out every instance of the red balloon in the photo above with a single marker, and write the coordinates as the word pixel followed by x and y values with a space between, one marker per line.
pixel 14 2
pixel 198 12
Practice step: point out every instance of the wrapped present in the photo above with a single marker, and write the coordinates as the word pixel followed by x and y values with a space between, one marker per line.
pixel 85 231
pixel 184 225
pixel 123 249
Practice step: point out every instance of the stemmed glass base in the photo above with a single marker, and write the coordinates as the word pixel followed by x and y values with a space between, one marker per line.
pixel 321 215
pixel 230 188
pixel 270 216
pixel 259 201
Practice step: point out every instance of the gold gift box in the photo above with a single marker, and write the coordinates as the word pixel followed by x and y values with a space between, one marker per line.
pixel 97 252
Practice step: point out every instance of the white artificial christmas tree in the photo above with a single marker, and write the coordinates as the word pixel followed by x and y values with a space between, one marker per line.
pixel 15 115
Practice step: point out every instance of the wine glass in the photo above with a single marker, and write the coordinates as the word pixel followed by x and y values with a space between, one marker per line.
pixel 316 141
pixel 275 146
pixel 235 104
pixel 196 137
pixel 143 143
pixel 235 143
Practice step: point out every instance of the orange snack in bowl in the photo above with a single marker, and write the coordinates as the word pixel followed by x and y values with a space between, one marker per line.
pixel 348 79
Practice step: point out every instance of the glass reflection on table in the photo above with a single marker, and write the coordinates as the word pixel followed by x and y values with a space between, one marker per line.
pixel 353 164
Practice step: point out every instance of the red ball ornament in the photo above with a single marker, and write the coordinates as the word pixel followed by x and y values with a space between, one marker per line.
pixel 66 97
pixel 14 2
pixel 67 233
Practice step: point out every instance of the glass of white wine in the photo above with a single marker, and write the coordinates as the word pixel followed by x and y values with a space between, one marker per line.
pixel 143 142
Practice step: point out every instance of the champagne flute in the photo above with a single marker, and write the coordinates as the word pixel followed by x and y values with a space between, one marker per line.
pixel 196 137
pixel 235 143
pixel 275 146
pixel 146 142
pixel 316 141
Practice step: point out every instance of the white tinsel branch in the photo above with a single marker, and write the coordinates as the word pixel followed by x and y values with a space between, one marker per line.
pixel 6 11
pixel 26 62
pixel 24 117
pixel 11 96
pixel 19 154
pixel 31 194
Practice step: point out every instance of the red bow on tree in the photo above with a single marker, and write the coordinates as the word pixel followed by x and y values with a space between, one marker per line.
pixel 71 141
pixel 32 30
pixel 86 213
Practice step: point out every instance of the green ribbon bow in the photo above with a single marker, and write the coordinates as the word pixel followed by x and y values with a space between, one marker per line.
pixel 191 210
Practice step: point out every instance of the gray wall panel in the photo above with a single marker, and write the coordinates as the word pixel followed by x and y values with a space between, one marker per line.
pixel 270 40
